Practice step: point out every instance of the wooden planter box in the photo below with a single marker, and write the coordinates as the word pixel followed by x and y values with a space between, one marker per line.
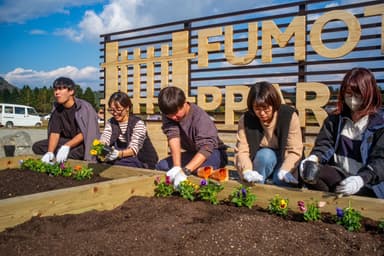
pixel 128 182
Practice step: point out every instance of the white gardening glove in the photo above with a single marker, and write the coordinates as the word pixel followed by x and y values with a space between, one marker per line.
pixel 287 177
pixel 350 185
pixel 173 172
pixel 312 158
pixel 112 155
pixel 62 154
pixel 48 157
pixel 180 177
pixel 252 176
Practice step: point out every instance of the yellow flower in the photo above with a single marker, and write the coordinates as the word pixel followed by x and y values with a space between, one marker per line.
pixel 95 142
pixel 283 204
pixel 93 152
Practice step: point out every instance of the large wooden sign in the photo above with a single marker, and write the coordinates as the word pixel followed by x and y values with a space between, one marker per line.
pixel 223 50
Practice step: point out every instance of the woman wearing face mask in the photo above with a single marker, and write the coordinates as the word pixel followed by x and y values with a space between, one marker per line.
pixel 348 154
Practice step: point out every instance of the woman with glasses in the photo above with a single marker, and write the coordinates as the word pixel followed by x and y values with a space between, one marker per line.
pixel 348 154
pixel 127 134
pixel 269 142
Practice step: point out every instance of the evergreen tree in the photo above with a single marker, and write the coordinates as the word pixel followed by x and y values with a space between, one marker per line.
pixel 79 91
pixel 42 98
pixel 26 96
pixel 5 95
pixel 90 97
pixel 14 97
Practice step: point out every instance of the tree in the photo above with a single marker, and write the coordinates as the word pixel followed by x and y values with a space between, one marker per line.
pixel 90 97
pixel 5 95
pixel 26 96
pixel 42 98
pixel 14 97
pixel 79 91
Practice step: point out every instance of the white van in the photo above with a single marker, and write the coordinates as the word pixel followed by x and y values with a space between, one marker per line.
pixel 18 115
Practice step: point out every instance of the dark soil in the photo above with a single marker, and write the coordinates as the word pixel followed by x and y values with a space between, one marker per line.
pixel 175 226
pixel 15 182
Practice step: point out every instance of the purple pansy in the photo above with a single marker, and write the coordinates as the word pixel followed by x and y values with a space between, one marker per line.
pixel 244 192
pixel 339 212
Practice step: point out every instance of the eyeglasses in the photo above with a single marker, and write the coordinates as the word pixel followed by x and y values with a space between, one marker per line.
pixel 116 111
pixel 266 110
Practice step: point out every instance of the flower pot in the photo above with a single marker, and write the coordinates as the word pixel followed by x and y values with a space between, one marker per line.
pixel 311 172
pixel 9 150
pixel 106 150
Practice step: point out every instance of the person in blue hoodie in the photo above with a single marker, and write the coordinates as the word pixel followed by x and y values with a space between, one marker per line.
pixel 348 154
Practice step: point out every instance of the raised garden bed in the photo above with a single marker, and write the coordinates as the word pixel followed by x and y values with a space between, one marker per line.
pixel 175 226
pixel 16 182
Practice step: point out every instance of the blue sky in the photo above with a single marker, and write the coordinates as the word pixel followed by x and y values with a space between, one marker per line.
pixel 44 39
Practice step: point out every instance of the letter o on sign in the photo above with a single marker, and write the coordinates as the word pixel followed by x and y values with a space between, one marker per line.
pixel 354 33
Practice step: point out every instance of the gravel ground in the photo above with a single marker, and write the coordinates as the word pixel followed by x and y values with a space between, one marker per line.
pixel 23 142
pixel 35 133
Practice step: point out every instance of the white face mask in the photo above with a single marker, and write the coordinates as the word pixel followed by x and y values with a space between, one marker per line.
pixel 353 102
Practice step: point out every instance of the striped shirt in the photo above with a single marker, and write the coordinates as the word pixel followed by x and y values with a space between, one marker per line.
pixel 136 141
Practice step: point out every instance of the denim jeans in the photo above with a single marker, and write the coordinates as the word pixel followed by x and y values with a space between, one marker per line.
pixel 265 163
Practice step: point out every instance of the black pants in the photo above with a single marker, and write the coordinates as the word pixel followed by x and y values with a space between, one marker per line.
pixel 41 147
pixel 330 177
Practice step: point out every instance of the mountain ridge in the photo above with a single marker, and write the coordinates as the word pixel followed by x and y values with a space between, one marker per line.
pixel 4 84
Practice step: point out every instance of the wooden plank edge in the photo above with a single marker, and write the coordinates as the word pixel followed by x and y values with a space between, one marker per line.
pixel 99 196
pixel 110 194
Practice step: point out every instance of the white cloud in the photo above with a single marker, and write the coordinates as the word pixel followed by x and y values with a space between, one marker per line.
pixel 37 32
pixel 120 15
pixel 12 11
pixel 85 77
pixel 117 15
pixel 70 33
